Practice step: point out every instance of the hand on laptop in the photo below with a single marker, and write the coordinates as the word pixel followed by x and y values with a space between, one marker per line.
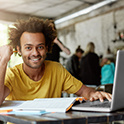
pixel 100 95
pixel 92 94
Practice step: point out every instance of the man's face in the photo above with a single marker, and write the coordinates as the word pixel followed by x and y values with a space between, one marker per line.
pixel 33 49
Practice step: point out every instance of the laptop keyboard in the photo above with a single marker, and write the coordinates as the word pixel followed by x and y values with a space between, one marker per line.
pixel 104 104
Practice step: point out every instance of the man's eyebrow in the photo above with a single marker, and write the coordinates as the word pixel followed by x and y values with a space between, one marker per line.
pixel 41 44
pixel 32 44
pixel 28 45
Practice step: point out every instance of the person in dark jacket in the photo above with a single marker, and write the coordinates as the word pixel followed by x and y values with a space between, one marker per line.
pixel 58 47
pixel 89 66
pixel 72 64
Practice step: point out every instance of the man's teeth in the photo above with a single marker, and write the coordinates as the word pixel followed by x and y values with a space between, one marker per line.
pixel 35 59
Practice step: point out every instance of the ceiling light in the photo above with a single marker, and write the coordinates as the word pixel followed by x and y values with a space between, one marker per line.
pixel 84 11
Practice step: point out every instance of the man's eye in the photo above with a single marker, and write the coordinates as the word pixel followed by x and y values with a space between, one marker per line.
pixel 28 48
pixel 40 47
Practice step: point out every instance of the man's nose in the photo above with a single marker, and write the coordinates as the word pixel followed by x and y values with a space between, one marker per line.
pixel 35 51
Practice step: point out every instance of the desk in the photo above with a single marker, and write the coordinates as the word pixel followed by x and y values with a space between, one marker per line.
pixel 71 117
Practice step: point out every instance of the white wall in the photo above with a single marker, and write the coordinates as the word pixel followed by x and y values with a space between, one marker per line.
pixel 99 29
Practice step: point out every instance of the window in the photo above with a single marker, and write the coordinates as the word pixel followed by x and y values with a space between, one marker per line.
pixel 4 40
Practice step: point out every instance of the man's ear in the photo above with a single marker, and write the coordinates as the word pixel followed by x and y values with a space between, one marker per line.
pixel 19 51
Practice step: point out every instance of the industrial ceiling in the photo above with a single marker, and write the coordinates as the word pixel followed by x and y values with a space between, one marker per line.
pixel 44 8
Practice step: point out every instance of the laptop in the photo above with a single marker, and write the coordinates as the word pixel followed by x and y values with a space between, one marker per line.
pixel 117 92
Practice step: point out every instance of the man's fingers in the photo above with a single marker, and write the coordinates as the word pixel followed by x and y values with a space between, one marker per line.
pixel 101 96
pixel 107 95
pixel 96 96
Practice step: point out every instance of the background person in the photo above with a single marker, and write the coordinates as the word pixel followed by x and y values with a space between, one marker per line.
pixel 58 47
pixel 72 64
pixel 89 66
pixel 107 69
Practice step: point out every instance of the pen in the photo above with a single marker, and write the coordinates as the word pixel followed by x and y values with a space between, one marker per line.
pixel 5 111
pixel 18 109
pixel 15 51
pixel 28 112
pixel 31 111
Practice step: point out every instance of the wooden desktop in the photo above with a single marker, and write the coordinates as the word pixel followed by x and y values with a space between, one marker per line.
pixel 71 117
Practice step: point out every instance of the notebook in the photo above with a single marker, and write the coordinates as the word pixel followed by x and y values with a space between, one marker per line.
pixel 117 92
pixel 49 104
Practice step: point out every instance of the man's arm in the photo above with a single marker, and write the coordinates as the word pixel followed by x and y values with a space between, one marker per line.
pixel 5 54
pixel 92 94
pixel 62 47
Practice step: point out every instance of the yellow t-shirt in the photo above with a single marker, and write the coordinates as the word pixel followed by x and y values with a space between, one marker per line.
pixel 55 80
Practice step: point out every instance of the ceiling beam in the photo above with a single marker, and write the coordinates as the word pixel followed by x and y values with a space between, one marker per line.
pixel 12 17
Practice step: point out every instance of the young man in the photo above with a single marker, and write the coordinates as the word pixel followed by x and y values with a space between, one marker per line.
pixel 37 78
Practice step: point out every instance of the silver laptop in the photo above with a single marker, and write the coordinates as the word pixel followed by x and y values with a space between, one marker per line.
pixel 117 93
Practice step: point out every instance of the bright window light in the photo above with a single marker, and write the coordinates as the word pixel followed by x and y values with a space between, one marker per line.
pixel 3 34
pixel 2 27
pixel 84 11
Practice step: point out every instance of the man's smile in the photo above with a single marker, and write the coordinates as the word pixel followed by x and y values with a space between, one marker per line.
pixel 35 59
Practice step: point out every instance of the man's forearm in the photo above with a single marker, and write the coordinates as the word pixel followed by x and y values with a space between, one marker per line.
pixel 5 54
pixel 3 66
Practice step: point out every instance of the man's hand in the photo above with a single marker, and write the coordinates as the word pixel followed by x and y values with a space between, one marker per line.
pixel 92 94
pixel 5 53
pixel 99 95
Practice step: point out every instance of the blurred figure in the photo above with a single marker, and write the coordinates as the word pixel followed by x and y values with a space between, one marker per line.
pixel 109 55
pixel 89 66
pixel 58 47
pixel 72 64
pixel 107 68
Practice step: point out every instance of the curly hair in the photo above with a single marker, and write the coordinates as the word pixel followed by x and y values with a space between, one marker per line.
pixel 33 25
